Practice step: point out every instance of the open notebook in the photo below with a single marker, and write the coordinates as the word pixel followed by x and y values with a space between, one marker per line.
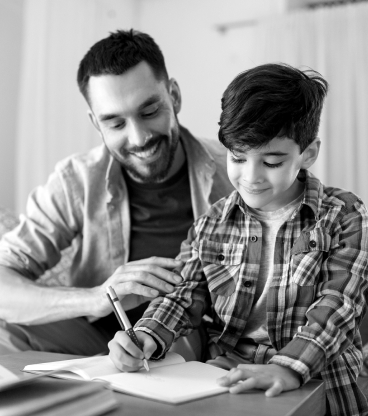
pixel 171 380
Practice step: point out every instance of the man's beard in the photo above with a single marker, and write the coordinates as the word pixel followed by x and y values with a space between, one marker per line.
pixel 156 171
pixel 159 169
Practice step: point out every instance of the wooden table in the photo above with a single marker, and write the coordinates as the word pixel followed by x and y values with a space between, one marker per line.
pixel 306 401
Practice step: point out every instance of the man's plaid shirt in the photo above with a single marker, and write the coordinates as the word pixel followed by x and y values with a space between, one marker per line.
pixel 315 301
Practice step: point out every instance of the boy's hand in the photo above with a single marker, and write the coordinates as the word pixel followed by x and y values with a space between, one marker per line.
pixel 270 377
pixel 126 355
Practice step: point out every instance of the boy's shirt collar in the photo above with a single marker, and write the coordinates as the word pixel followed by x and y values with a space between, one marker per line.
pixel 313 193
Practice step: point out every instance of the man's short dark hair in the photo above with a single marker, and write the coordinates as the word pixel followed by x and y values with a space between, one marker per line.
pixel 268 101
pixel 117 53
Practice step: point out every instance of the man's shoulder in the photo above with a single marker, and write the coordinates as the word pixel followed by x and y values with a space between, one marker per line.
pixel 212 145
pixel 97 156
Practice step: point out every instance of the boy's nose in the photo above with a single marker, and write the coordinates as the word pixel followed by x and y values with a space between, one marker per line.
pixel 252 175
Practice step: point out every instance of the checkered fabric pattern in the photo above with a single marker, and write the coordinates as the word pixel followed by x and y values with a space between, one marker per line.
pixel 315 301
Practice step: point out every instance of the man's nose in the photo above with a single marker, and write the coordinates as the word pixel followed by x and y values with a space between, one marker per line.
pixel 137 134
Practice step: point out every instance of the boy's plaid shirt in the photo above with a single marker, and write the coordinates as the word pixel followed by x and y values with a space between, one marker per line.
pixel 315 301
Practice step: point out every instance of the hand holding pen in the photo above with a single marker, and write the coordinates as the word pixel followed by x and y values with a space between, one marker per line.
pixel 123 320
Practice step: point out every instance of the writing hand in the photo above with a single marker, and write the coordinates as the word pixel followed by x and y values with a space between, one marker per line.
pixel 125 355
pixel 270 377
pixel 147 277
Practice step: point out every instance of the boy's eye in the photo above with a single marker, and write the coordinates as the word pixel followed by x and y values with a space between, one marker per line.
pixel 236 160
pixel 273 165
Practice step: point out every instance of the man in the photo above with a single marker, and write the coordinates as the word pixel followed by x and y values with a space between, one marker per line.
pixel 126 205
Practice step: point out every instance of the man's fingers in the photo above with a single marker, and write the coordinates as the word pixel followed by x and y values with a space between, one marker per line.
pixel 164 262
pixel 146 273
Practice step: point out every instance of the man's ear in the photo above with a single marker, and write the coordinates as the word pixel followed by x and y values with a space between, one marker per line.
pixel 94 121
pixel 175 94
pixel 310 154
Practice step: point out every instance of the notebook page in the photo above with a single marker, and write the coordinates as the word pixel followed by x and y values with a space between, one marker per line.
pixel 171 384
pixel 93 367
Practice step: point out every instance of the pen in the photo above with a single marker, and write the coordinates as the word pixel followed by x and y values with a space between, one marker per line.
pixel 123 320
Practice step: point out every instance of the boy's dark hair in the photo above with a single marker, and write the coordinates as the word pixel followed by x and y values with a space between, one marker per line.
pixel 268 101
pixel 118 53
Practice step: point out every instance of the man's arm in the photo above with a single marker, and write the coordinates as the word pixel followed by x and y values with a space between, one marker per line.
pixel 25 302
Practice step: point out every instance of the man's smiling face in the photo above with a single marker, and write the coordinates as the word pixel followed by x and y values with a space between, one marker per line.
pixel 136 115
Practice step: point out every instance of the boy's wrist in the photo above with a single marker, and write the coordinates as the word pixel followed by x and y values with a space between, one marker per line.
pixel 293 374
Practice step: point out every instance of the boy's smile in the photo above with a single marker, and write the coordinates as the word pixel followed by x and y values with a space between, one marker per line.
pixel 266 178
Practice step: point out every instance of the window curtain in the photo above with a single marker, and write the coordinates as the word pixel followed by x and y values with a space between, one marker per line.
pixel 52 120
pixel 332 41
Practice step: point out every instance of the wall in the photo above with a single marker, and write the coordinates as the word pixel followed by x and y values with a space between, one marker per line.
pixel 197 53
pixel 11 24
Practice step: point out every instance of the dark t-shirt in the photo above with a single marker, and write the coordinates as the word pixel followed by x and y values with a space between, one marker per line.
pixel 161 215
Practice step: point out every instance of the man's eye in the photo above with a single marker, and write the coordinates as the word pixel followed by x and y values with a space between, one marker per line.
pixel 273 165
pixel 117 126
pixel 150 113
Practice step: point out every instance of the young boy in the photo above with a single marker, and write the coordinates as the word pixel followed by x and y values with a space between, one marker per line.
pixel 282 261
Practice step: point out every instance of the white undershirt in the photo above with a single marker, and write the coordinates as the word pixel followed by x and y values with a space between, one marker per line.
pixel 256 327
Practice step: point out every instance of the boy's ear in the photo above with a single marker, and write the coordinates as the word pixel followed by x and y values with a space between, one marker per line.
pixel 175 94
pixel 310 154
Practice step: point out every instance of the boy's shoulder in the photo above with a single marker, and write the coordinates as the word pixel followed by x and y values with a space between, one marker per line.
pixel 340 196
pixel 322 198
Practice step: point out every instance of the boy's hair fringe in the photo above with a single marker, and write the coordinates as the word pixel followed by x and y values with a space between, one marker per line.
pixel 268 101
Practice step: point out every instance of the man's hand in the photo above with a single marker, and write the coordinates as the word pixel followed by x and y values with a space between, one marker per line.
pixel 147 277
pixel 126 355
pixel 270 377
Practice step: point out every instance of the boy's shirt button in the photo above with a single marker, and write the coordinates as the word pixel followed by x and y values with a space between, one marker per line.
pixel 254 238
pixel 312 244
pixel 221 257
pixel 247 283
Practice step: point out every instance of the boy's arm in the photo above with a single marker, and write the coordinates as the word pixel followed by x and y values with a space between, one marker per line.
pixel 178 313
pixel 334 317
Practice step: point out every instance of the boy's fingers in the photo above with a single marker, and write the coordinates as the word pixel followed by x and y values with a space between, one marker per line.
pixel 232 377
pixel 148 344
pixel 243 386
pixel 275 390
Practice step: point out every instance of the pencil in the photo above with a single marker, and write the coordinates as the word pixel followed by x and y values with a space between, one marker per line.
pixel 124 320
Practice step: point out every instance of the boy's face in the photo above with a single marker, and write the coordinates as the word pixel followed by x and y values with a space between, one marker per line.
pixel 266 178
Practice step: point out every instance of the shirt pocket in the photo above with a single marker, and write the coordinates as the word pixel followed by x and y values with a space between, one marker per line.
pixel 307 256
pixel 221 263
